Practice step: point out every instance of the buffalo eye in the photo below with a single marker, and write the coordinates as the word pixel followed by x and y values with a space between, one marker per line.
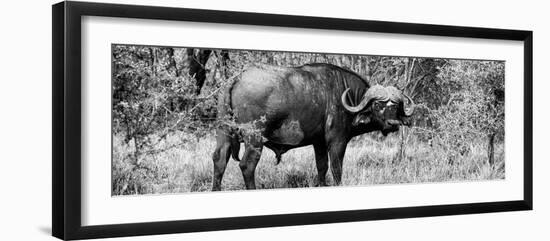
pixel 377 105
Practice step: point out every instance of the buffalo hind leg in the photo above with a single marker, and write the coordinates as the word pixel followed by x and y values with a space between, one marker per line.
pixel 321 161
pixel 251 157
pixel 336 153
pixel 220 158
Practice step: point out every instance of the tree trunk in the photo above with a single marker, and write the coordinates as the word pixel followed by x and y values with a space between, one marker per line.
pixel 173 65
pixel 196 63
pixel 153 63
pixel 408 73
pixel 491 149
pixel 401 154
pixel 225 63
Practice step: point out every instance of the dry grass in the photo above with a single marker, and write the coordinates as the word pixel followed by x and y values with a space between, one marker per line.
pixel 369 160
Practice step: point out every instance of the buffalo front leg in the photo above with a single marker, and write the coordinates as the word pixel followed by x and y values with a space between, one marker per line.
pixel 336 153
pixel 321 161
pixel 250 160
pixel 220 158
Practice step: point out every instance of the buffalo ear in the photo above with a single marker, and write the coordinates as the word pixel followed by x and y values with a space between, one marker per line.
pixel 361 119
pixel 406 120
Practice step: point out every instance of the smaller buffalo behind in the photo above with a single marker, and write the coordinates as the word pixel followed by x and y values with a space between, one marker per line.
pixel 315 104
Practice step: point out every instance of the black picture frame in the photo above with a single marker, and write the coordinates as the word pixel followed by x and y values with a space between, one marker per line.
pixel 67 137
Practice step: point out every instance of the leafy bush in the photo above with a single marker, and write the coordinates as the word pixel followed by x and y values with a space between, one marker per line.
pixel 474 108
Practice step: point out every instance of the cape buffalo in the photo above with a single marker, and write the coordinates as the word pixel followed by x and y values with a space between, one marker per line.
pixel 315 104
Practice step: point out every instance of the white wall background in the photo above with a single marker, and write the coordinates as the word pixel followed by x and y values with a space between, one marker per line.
pixel 25 120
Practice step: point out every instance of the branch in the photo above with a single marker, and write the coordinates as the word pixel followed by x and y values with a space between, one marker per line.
pixel 182 116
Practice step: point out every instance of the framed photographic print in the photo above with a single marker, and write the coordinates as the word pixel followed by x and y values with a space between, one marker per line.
pixel 170 120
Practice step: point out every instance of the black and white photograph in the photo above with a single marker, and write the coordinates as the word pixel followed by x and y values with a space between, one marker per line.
pixel 220 120
pixel 195 119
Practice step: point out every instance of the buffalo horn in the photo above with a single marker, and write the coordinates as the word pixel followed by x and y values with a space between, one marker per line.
pixel 397 95
pixel 353 109
pixel 373 92
pixel 409 111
